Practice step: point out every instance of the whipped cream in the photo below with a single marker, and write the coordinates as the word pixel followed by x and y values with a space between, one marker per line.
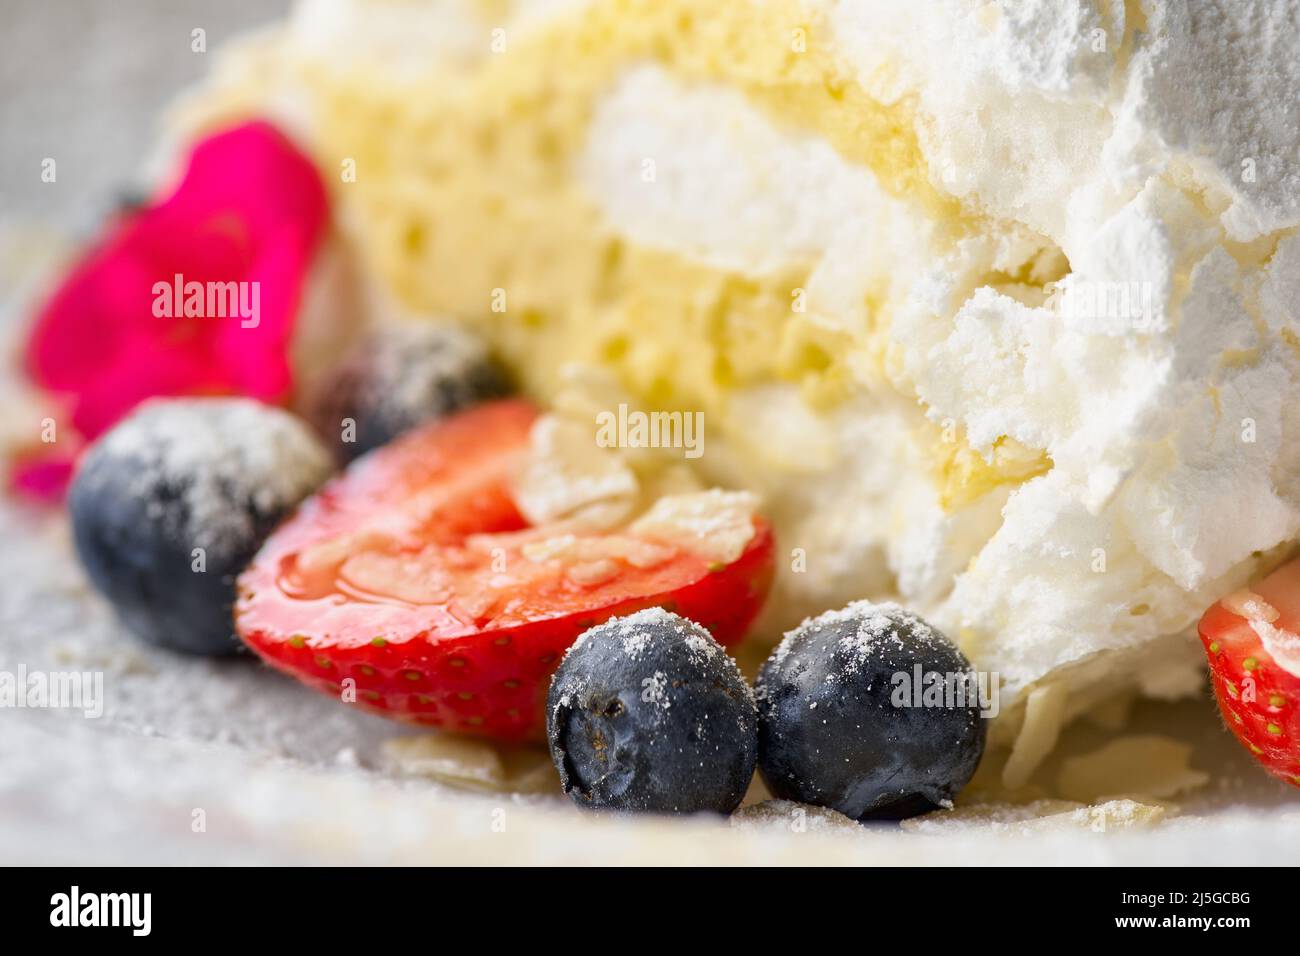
pixel 1108 302
pixel 1136 139
pixel 1154 150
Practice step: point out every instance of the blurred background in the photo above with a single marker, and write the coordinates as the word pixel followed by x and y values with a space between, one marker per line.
pixel 84 82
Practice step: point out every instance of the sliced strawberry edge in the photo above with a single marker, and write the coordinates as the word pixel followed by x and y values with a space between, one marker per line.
pixel 426 661
pixel 461 681
pixel 1256 696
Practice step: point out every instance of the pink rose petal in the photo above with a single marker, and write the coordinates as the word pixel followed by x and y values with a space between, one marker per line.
pixel 250 209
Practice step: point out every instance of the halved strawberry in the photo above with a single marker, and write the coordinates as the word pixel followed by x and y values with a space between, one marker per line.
pixel 415 575
pixel 1252 640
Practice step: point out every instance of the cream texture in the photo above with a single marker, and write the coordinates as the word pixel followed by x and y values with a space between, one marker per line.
pixel 1118 299
pixel 1155 147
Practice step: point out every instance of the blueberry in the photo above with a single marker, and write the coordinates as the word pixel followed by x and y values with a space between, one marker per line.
pixel 839 722
pixel 648 713
pixel 401 376
pixel 169 506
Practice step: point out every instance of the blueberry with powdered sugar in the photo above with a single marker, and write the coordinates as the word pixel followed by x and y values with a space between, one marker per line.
pixel 400 376
pixel 648 713
pixel 172 503
pixel 870 711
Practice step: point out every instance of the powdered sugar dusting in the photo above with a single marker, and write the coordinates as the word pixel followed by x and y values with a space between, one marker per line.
pixel 418 370
pixel 636 635
pixel 634 645
pixel 217 453
pixel 876 623
pixel 1282 645
pixel 714 524
pixel 701 647
pixel 1246 603
pixel 872 624
pixel 1040 816
pixel 656 690
pixel 775 816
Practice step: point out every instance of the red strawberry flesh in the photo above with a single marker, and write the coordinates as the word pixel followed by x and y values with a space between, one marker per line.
pixel 404 580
